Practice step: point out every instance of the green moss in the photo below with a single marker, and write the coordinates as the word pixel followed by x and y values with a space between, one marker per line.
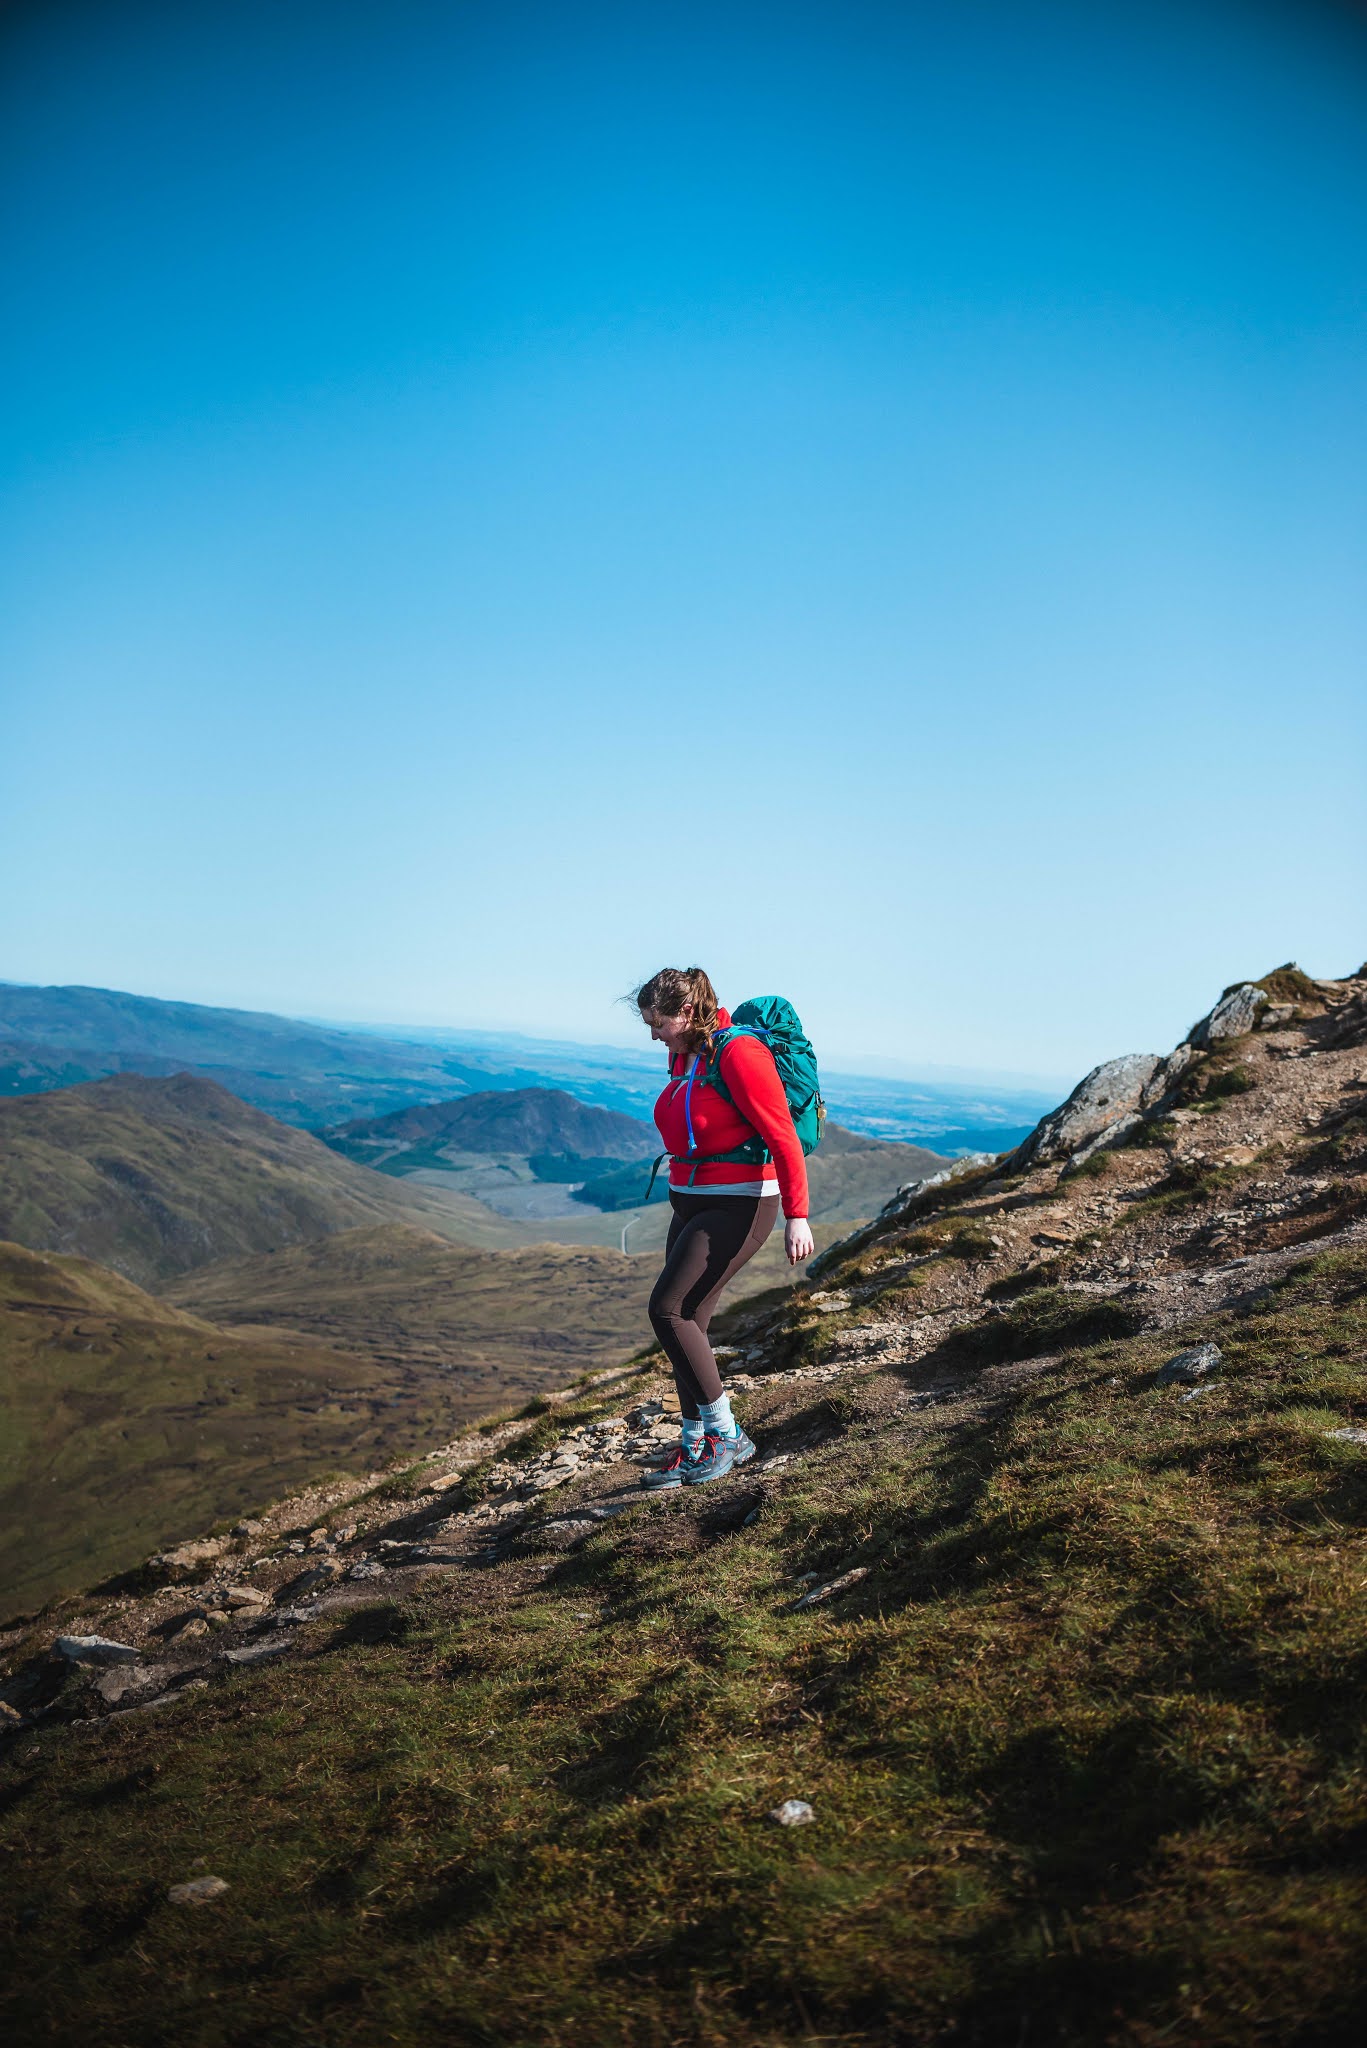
pixel 1095 1168
pixel 1231 1080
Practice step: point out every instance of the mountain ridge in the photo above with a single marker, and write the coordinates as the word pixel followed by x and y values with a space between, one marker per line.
pixel 520 1120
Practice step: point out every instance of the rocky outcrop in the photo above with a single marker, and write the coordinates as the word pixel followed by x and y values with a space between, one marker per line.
pixel 1234 1016
pixel 1111 1093
pixel 1116 1098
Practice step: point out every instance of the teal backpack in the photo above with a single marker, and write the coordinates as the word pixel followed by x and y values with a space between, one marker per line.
pixel 774 1020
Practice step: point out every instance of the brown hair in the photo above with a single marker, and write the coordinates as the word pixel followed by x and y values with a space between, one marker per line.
pixel 668 994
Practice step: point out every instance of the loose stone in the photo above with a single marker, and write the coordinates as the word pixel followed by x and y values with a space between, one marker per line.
pixel 95 1650
pixel 828 1592
pixel 793 1813
pixel 1196 1363
pixel 198 1892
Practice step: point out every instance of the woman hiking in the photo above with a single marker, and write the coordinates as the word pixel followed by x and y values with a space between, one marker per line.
pixel 724 1206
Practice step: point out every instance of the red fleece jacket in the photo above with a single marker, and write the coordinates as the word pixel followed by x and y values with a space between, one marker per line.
pixel 759 1108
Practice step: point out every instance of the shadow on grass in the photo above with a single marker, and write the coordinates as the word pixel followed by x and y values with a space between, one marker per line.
pixel 369 1628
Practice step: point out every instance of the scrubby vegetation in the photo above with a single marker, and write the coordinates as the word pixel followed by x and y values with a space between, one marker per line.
pixel 1288 984
pixel 1045 1319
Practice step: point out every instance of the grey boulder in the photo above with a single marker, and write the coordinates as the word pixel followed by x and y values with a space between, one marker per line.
pixel 188 1558
pixel 1161 1086
pixel 97 1650
pixel 1110 1093
pixel 1233 1016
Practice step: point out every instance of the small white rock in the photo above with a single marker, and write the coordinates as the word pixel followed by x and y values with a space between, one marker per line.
pixel 198 1891
pixel 1348 1436
pixel 828 1592
pixel 794 1813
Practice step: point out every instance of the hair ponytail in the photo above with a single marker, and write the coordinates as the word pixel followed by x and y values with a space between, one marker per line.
pixel 669 993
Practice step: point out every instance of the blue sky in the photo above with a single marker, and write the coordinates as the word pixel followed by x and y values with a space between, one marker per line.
pixel 498 497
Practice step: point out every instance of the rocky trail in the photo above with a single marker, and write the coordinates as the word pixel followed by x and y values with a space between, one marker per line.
pixel 1164 1191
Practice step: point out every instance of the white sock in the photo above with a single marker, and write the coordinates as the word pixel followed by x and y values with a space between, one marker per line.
pixel 692 1435
pixel 717 1418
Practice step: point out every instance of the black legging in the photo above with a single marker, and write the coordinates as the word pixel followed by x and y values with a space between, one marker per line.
pixel 710 1239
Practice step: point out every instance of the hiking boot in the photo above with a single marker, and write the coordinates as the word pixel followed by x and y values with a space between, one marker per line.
pixel 670 1473
pixel 718 1456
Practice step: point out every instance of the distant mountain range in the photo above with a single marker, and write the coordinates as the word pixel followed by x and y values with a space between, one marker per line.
pixel 319 1075
pixel 305 1074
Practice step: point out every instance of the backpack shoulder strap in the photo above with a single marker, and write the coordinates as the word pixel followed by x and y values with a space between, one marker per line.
pixel 720 1040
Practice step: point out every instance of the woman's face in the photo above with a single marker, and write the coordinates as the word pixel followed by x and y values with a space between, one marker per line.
pixel 669 1031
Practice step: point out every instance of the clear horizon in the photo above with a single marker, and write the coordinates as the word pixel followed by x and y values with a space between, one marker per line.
pixel 850 1066
pixel 872 499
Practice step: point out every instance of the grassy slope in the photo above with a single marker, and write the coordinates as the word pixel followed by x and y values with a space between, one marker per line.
pixel 129 1425
pixel 514 1320
pixel 1086 1749
pixel 155 1177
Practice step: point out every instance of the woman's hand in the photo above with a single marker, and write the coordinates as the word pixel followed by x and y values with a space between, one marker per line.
pixel 798 1241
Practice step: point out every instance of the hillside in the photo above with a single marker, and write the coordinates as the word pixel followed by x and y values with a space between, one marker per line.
pixel 1044 1592
pixel 156 1177
pixel 127 1422
pixel 510 1324
pixel 520 1120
